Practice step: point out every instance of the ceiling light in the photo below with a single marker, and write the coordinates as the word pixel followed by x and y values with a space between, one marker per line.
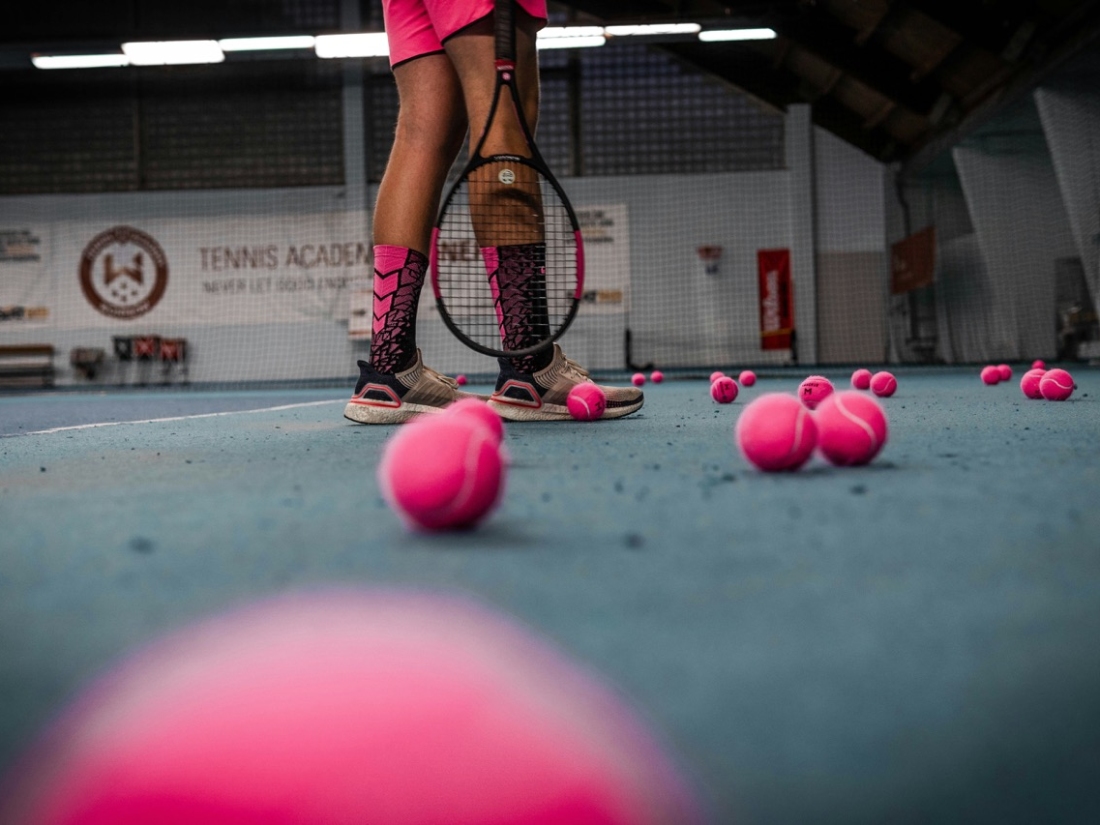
pixel 173 52
pixel 570 37
pixel 370 44
pixel 264 44
pixel 718 35
pixel 650 29
pixel 79 61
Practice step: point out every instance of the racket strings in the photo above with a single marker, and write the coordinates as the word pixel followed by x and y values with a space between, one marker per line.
pixel 507 265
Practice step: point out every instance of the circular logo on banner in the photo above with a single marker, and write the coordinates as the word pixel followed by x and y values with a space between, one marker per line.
pixel 123 272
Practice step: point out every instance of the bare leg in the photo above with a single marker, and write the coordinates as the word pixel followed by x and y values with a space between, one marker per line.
pixel 430 126
pixel 472 53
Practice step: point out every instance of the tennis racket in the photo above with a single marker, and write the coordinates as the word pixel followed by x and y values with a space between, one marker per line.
pixel 506 258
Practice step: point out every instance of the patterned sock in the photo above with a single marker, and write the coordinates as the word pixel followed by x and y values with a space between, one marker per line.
pixel 398 277
pixel 517 276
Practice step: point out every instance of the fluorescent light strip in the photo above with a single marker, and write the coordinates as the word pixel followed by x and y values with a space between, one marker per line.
pixel 722 35
pixel 651 29
pixel 570 42
pixel 79 61
pixel 556 32
pixel 266 44
pixel 370 44
pixel 173 52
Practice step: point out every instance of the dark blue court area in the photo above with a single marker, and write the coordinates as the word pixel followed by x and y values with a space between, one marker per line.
pixel 911 641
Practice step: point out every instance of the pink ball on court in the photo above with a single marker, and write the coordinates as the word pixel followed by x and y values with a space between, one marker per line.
pixel 991 375
pixel 775 432
pixel 747 378
pixel 460 380
pixel 442 472
pixel 1006 372
pixel 637 379
pixel 1029 384
pixel 349 706
pixel 861 379
pixel 481 412
pixel 724 390
pixel 814 390
pixel 851 428
pixel 1056 385
pixel 1038 364
pixel 656 376
pixel 714 376
pixel 586 402
pixel 884 384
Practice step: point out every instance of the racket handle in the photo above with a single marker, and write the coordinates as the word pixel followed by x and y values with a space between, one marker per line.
pixel 504 13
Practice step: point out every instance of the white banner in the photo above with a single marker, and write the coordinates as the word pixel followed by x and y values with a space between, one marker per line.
pixel 606 235
pixel 27 292
pixel 247 270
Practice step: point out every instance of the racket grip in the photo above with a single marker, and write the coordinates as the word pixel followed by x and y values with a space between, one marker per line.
pixel 504 14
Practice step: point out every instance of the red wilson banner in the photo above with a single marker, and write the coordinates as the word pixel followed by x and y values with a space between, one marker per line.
pixel 776 304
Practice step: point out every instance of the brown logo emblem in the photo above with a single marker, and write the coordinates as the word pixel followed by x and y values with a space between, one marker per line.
pixel 123 272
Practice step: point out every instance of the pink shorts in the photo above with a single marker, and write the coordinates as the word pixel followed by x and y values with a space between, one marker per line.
pixel 415 28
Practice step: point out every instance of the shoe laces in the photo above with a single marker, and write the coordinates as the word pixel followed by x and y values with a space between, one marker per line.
pixel 575 368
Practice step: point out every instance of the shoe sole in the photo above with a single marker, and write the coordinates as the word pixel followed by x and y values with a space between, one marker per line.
pixel 370 414
pixel 554 412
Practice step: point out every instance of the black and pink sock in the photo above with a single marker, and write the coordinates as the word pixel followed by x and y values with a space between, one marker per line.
pixel 517 276
pixel 398 277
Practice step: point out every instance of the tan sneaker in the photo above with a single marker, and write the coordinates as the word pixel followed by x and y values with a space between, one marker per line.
pixel 392 398
pixel 541 396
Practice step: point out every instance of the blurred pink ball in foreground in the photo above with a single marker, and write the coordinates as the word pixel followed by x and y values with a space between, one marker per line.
pixel 349 706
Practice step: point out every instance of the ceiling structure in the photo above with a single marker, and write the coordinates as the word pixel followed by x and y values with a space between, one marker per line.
pixel 900 79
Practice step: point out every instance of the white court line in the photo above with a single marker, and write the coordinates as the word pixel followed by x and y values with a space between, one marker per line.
pixel 179 417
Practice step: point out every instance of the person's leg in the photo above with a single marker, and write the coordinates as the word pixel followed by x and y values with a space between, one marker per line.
pixel 431 123
pixel 507 217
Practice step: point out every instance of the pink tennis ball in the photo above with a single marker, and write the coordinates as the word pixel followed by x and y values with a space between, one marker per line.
pixel 747 378
pixel 1038 364
pixel 991 375
pixel 586 402
pixel 460 380
pixel 637 379
pixel 861 379
pixel 884 384
pixel 442 472
pixel 480 411
pixel 349 707
pixel 724 390
pixel 775 432
pixel 851 428
pixel 1029 384
pixel 1006 372
pixel 714 376
pixel 1056 385
pixel 814 390
pixel 656 376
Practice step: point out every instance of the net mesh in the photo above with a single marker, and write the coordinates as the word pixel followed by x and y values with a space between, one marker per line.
pixel 240 195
